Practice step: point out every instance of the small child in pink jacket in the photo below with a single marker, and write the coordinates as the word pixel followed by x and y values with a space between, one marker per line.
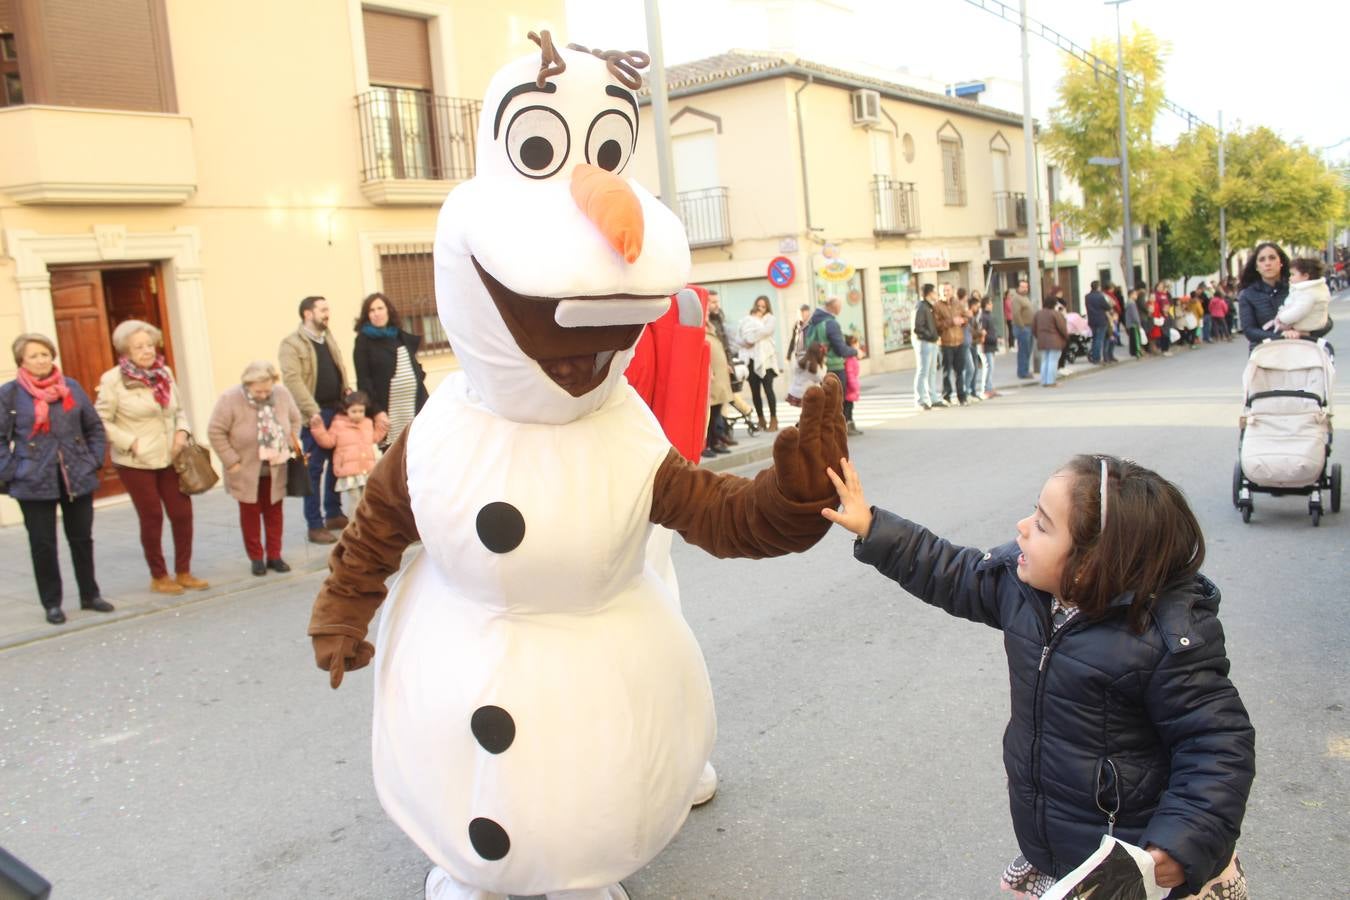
pixel 352 438
pixel 852 384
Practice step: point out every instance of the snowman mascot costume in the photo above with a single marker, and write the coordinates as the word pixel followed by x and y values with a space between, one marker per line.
pixel 542 712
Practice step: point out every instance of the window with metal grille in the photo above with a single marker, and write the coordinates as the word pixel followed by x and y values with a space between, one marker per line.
pixel 953 172
pixel 407 276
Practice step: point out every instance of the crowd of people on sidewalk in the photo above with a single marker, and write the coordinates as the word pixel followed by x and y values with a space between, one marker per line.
pixel 305 413
pixel 297 429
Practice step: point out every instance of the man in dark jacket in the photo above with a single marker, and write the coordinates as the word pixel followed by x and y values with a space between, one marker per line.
pixel 824 329
pixel 925 350
pixel 1099 309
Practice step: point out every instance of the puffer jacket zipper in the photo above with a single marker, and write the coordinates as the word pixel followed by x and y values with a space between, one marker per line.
pixel 1038 708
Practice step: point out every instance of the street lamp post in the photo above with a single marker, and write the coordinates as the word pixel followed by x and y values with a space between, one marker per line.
pixel 1033 196
pixel 1127 239
pixel 665 169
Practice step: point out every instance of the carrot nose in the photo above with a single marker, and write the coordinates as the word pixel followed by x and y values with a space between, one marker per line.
pixel 610 203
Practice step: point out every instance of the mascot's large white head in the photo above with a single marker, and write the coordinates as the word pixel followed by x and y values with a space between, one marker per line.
pixel 550 260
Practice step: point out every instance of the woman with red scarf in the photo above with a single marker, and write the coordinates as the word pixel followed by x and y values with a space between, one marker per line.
pixel 138 402
pixel 51 448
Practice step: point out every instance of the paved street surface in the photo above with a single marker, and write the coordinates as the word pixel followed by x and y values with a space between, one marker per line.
pixel 197 752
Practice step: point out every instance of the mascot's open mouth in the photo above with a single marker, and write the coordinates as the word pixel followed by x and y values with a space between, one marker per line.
pixel 577 359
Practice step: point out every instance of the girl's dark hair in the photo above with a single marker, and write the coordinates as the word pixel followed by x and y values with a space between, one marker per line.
pixel 813 358
pixel 1151 541
pixel 355 398
pixel 1048 302
pixel 768 307
pixel 364 317
pixel 1251 276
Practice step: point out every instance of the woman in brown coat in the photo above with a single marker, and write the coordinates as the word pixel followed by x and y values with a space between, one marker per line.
pixel 253 430
pixel 1052 336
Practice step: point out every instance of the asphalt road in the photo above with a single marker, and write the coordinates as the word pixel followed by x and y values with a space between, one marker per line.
pixel 198 753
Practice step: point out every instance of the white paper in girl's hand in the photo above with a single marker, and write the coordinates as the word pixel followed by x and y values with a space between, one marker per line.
pixel 1115 871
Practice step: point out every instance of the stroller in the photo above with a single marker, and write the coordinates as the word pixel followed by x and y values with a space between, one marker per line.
pixel 1079 345
pixel 1284 441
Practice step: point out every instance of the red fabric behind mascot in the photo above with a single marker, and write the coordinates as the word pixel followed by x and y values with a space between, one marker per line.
pixel 670 372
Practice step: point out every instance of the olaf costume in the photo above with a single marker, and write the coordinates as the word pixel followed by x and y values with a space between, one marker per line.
pixel 542 711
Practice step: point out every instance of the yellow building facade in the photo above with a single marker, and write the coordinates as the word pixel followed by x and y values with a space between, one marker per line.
pixel 207 165
pixel 866 188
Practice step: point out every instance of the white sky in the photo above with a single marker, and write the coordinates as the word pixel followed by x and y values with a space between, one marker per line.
pixel 1281 64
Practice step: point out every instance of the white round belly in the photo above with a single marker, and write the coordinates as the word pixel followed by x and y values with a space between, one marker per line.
pixel 536 752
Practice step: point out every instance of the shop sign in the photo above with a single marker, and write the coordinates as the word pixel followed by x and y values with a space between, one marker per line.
pixel 930 260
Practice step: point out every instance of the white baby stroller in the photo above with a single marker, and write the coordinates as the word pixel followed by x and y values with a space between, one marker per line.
pixel 1284 441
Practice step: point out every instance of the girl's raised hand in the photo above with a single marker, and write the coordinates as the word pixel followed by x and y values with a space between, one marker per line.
pixel 854 512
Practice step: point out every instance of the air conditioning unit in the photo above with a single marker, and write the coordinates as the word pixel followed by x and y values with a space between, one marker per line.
pixel 866 107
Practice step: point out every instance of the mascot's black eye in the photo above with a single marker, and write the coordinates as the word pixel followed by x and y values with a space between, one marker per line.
pixel 610 155
pixel 537 141
pixel 609 142
pixel 536 153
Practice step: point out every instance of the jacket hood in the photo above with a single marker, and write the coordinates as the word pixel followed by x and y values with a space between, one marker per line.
pixel 819 315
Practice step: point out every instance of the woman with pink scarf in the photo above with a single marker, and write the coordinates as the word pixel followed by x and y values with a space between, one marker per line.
pixel 51 448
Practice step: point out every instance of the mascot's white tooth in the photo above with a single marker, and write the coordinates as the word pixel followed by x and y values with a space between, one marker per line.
pixel 691 311
pixel 601 358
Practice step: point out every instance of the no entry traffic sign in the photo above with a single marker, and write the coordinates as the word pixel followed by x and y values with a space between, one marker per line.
pixel 781 271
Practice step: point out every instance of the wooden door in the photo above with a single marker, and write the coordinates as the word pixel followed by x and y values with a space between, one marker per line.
pixel 84 341
pixel 136 294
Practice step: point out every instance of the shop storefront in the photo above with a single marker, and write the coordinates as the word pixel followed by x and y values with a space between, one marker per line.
pixel 847 284
pixel 899 294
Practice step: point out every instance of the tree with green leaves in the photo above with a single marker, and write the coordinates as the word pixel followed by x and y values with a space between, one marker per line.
pixel 1271 190
pixel 1085 123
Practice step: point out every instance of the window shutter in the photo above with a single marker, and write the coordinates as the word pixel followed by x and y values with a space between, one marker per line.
pixel 408 278
pixel 953 174
pixel 398 53
pixel 6 16
pixel 113 54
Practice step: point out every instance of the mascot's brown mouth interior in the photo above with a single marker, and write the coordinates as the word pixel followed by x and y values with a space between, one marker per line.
pixel 567 355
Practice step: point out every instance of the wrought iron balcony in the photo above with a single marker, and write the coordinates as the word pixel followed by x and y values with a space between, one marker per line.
pixel 1010 213
pixel 707 217
pixel 414 135
pixel 895 206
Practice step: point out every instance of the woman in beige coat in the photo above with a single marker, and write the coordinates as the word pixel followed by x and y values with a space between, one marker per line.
pixel 254 430
pixel 147 428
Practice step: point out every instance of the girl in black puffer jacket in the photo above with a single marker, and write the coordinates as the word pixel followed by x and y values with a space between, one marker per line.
pixel 1123 717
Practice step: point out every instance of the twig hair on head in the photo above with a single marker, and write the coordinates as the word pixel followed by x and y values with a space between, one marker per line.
pixel 550 61
pixel 622 64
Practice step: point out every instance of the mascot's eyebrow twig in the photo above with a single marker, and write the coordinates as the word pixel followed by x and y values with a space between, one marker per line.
pixel 623 65
pixel 550 62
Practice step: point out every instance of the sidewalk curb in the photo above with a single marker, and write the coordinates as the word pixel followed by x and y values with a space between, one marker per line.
pixel 156 604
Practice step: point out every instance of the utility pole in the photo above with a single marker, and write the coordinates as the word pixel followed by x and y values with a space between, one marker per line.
pixel 1223 213
pixel 660 117
pixel 1033 195
pixel 1127 239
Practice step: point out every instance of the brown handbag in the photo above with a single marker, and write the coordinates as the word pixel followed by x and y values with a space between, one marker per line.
pixel 193 465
